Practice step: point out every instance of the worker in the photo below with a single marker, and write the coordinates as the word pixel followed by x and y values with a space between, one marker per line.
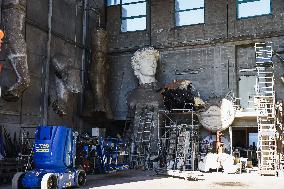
pixel 1 37
pixel 219 144
pixel 1 65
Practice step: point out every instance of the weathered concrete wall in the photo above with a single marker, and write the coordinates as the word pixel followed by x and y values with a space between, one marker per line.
pixel 246 60
pixel 122 81
pixel 67 31
pixel 209 54
pixel 198 65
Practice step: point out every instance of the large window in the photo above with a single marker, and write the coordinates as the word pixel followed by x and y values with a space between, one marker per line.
pixel 253 139
pixel 249 8
pixel 247 92
pixel 189 12
pixel 133 15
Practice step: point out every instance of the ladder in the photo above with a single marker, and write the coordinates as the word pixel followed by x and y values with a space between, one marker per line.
pixel 172 143
pixel 265 104
pixel 179 139
pixel 142 138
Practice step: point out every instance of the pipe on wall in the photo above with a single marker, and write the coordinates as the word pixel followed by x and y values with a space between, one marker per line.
pixel 83 58
pixel 46 67
pixel 14 14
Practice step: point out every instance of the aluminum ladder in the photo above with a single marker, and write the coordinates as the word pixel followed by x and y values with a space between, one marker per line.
pixel 265 104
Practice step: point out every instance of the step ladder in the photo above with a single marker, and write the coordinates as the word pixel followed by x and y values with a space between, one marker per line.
pixel 265 104
pixel 142 136
pixel 280 129
pixel 172 143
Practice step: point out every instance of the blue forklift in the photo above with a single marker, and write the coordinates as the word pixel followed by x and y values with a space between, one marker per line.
pixel 53 160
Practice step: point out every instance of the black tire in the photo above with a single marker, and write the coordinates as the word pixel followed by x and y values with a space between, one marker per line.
pixel 17 180
pixel 52 182
pixel 81 178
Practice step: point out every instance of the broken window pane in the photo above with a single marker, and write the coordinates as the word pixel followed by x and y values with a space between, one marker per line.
pixel 248 8
pixel 189 12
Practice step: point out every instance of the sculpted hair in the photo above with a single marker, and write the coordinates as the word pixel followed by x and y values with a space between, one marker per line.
pixel 141 54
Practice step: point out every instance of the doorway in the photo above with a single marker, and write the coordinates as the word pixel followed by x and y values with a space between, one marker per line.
pixel 244 143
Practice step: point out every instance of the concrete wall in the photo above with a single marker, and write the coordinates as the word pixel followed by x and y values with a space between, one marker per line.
pixel 209 54
pixel 67 30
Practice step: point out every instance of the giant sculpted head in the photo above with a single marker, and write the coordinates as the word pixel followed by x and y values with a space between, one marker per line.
pixel 144 64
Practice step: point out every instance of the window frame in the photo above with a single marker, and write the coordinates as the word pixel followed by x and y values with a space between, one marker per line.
pixel 109 5
pixel 187 10
pixel 247 17
pixel 133 17
pixel 248 107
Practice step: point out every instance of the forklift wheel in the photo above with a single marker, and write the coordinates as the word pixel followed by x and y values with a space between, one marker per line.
pixel 81 178
pixel 16 181
pixel 49 181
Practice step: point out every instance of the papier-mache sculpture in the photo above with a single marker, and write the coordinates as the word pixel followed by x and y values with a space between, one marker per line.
pixel 144 64
pixel 146 99
pixel 67 81
pixel 13 15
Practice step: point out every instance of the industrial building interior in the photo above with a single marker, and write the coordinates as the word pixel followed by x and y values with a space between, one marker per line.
pixel 141 93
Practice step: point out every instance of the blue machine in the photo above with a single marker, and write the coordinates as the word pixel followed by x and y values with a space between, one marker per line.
pixel 54 161
pixel 112 155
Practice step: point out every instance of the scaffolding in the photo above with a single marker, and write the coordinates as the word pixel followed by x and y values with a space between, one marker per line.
pixel 179 142
pixel 265 104
pixel 142 139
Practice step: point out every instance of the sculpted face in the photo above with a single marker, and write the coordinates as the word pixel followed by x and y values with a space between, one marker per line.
pixel 148 66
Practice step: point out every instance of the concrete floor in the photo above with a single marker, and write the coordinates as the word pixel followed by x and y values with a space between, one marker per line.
pixel 146 179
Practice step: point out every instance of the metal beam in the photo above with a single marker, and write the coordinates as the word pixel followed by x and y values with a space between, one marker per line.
pixel 46 67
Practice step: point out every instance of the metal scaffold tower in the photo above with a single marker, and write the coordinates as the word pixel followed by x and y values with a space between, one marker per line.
pixel 179 133
pixel 265 104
